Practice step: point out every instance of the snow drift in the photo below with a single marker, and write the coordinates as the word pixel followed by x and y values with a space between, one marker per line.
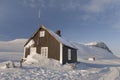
pixel 98 50
pixel 49 69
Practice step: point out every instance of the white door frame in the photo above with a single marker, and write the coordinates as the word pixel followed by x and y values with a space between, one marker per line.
pixel 61 53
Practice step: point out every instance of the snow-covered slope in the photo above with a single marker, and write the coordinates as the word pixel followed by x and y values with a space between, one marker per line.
pixel 97 70
pixel 10 56
pixel 11 50
pixel 12 46
pixel 99 45
pixel 52 70
pixel 98 51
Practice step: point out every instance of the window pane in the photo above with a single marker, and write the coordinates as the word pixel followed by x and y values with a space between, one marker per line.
pixel 69 54
pixel 44 51
pixel 42 33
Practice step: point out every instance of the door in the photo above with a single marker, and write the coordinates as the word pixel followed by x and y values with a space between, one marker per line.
pixel 44 51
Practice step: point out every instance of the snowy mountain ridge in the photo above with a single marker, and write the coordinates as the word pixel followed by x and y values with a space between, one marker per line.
pixel 99 45
pixel 87 51
pixel 94 49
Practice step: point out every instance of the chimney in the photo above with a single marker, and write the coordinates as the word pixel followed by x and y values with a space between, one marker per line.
pixel 58 32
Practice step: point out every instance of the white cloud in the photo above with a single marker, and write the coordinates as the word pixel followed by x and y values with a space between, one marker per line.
pixel 103 12
pixel 62 4
pixel 71 5
pixel 34 3
pixel 92 9
pixel 12 46
pixel 97 6
pixel 94 6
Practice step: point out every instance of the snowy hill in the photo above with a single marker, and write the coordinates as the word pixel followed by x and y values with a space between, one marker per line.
pixel 99 45
pixel 97 50
pixel 12 46
pixel 49 69
pixel 11 50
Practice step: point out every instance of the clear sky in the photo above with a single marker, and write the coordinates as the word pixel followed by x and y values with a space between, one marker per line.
pixel 79 20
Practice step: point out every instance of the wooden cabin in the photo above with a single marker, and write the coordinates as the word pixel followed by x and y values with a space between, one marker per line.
pixel 51 45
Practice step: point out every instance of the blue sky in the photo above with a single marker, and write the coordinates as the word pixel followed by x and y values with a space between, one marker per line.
pixel 79 20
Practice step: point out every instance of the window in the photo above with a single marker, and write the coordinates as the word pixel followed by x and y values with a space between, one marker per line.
pixel 42 33
pixel 69 54
pixel 44 51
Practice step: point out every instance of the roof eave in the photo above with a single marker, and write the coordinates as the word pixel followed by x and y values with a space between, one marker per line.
pixel 42 26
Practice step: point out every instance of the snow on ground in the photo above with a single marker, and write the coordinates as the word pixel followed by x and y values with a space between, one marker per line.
pixel 87 51
pixel 84 70
pixel 10 56
pixel 105 67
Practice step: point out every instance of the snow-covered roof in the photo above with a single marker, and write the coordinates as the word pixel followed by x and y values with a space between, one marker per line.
pixel 62 40
pixel 57 37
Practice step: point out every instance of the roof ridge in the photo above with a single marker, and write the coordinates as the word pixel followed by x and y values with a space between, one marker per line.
pixel 58 38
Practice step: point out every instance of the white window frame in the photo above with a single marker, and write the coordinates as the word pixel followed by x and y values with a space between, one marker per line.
pixel 44 51
pixel 42 33
pixel 69 54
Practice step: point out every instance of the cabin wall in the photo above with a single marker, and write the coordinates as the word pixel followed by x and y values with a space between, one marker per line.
pixel 74 55
pixel 47 41
pixel 53 47
pixel 65 55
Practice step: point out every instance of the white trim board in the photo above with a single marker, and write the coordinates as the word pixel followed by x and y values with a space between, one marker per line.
pixel 24 52
pixel 61 53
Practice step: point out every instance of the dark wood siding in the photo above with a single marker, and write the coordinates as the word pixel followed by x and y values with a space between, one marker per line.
pixel 74 55
pixel 65 55
pixel 47 41
pixel 53 47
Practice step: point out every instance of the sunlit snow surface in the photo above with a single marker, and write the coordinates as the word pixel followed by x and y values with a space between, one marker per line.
pixel 105 67
pixel 49 69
